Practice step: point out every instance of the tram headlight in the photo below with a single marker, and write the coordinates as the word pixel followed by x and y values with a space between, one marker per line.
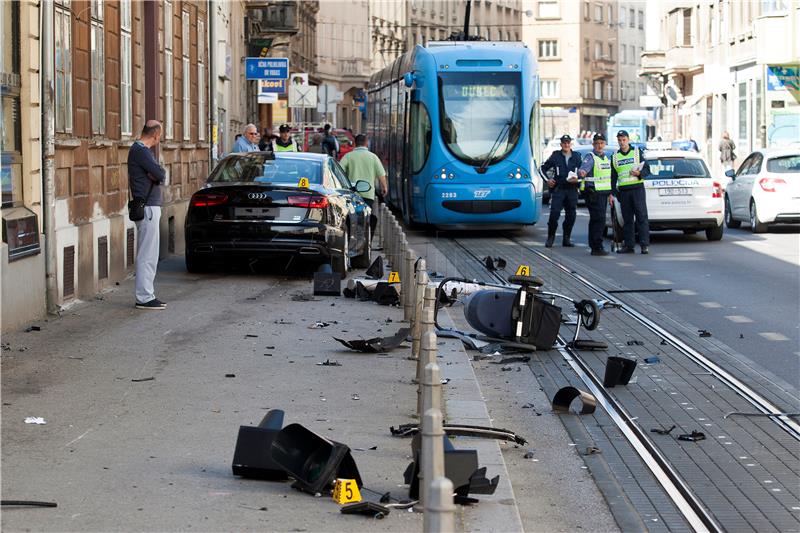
pixel 518 175
pixel 451 176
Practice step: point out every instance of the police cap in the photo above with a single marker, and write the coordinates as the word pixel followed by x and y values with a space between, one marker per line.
pixel 598 137
pixel 566 139
pixel 622 133
pixel 284 127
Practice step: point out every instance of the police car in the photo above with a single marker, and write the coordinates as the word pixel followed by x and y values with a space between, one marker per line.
pixel 681 195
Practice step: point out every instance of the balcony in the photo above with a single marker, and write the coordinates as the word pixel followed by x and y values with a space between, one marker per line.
pixel 653 62
pixel 604 68
pixel 353 68
pixel 681 60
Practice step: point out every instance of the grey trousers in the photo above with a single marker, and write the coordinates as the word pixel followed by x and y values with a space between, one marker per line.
pixel 147 230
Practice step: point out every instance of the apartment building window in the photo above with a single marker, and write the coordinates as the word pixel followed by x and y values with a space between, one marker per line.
pixel 98 69
pixel 201 80
pixel 598 89
pixel 769 7
pixel 610 15
pixel 186 118
pixel 63 66
pixel 587 10
pixel 743 111
pixel 623 54
pixel 641 89
pixel 548 10
pixel 687 27
pixel 622 12
pixel 598 13
pixel 587 55
pixel 168 65
pixel 125 91
pixel 610 52
pixel 632 18
pixel 550 89
pixel 598 50
pixel 641 19
pixel 11 134
pixel 548 49
pixel 586 88
pixel 610 91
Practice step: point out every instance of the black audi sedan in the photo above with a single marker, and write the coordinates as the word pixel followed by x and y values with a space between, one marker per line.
pixel 261 205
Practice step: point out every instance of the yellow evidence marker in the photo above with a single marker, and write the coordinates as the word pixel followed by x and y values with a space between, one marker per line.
pixel 394 277
pixel 303 183
pixel 523 270
pixel 346 491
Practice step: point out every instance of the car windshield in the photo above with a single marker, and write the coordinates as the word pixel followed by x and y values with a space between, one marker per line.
pixel 789 164
pixel 675 167
pixel 259 168
pixel 480 112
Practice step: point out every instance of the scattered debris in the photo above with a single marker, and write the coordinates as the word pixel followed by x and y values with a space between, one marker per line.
pixel 327 282
pixel 741 335
pixel 282 322
pixel 528 406
pixel 355 397
pixel 587 344
pixel 483 357
pixel 663 342
pixel 704 332
pixel 694 436
pixel 366 508
pixel 591 450
pixel 662 431
pixel 27 503
pixel 320 325
pixel 366 449
pixel 520 359
pixel 445 381
pixel 301 297
pixel 566 395
pixel 652 360
pixel 33 328
pixel 619 371
pixel 377 344
pixel 329 362
pixel 230 375
pixel 250 336
pixel 462 430
pixel 375 270
pixel 740 413
pixel 139 380
pixel 35 420
pixel 528 455
pixel 251 457
pixel 623 291
pixel 635 343
pixel 494 264
pixel 75 357
pixel 507 368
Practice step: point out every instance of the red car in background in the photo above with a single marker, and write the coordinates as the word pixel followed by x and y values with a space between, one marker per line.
pixel 312 141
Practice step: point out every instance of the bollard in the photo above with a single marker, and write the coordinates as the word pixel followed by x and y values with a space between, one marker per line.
pixel 419 294
pixel 408 287
pixel 427 353
pixel 432 388
pixel 440 510
pixel 431 454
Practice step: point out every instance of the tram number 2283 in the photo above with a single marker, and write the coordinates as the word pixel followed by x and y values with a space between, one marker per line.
pixel 446 195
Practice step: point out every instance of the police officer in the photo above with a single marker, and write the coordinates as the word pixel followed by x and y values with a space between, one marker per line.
pixel 596 173
pixel 564 190
pixel 628 170
pixel 285 142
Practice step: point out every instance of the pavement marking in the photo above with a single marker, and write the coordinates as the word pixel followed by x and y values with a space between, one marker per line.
pixel 773 336
pixel 739 319
pixel 711 305
pixel 685 292
pixel 643 272
pixel 79 438
pixel 662 282
pixel 625 264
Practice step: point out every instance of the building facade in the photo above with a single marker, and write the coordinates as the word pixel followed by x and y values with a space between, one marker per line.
pixel 728 66
pixel 389 28
pixel 576 46
pixel 630 19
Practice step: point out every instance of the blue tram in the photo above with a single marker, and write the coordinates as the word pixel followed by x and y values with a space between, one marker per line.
pixel 456 125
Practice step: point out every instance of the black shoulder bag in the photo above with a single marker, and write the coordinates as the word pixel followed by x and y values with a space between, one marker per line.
pixel 136 206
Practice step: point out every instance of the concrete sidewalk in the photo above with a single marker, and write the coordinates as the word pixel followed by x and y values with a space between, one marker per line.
pixel 124 455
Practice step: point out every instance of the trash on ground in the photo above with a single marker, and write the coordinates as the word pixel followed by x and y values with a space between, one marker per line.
pixel 519 359
pixel 27 503
pixel 139 380
pixel 375 270
pixel 564 398
pixel 528 406
pixel 320 325
pixel 250 336
pixel 619 371
pixel 652 360
pixel 507 368
pixel 462 430
pixel 35 420
pixel 704 332
pixel 694 436
pixel 377 344
pixel 33 328
pixel 369 509
pixel 251 457
pixel 302 297
pixel 230 375
pixel 591 450
pixel 355 397
pixel 444 381
pixel 329 362
pixel 493 264
pixel 635 343
pixel 662 431
pixel 528 455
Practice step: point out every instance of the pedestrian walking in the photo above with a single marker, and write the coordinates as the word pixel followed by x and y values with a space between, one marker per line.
pixel 330 144
pixel 596 173
pixel 284 142
pixel 628 171
pixel 727 156
pixel 361 164
pixel 564 190
pixel 145 177
pixel 249 141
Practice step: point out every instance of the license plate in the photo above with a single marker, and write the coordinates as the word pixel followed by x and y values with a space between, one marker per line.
pixel 256 212
pixel 675 191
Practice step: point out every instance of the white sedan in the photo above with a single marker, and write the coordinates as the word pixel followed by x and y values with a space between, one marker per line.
pixel 765 190
pixel 681 195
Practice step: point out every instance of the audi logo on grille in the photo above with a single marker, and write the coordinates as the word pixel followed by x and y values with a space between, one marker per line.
pixel 258 196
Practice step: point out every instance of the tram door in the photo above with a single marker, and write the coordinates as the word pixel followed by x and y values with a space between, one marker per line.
pixel 405 171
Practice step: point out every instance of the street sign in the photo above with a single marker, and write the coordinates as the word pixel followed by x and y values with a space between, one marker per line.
pixel 302 96
pixel 781 78
pixel 272 68
pixel 268 98
pixel 271 86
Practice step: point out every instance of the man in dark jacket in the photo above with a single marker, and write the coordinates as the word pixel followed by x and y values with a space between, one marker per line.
pixel 564 190
pixel 329 143
pixel 145 177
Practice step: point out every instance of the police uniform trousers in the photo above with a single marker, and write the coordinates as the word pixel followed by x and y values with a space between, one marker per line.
pixel 633 201
pixel 597 203
pixel 566 199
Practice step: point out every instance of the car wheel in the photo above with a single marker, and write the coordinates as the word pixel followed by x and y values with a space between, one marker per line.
pixel 341 262
pixel 755 225
pixel 194 264
pixel 729 220
pixel 715 233
pixel 365 259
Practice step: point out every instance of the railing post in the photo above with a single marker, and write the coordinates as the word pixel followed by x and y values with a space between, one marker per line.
pixel 427 353
pixel 409 288
pixel 431 452
pixel 419 295
pixel 440 510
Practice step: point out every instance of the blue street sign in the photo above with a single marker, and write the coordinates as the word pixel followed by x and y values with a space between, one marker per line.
pixel 266 68
pixel 271 86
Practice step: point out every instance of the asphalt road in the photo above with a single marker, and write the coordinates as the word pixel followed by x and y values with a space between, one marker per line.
pixel 744 289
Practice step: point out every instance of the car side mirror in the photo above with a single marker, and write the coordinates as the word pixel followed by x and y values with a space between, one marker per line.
pixel 731 174
pixel 362 186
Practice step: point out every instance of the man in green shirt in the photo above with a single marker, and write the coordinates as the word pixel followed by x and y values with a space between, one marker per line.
pixel 361 164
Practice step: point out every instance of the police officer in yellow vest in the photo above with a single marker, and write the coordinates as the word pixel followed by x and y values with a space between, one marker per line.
pixel 284 143
pixel 595 171
pixel 628 170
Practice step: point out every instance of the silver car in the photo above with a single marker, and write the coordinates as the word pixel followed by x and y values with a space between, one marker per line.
pixel 765 190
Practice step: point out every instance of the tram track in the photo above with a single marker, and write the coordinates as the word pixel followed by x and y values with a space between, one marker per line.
pixel 688 504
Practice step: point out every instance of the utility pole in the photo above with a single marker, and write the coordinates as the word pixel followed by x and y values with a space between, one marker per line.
pixel 466 20
pixel 47 74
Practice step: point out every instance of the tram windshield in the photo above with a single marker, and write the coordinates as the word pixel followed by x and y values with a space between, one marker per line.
pixel 480 114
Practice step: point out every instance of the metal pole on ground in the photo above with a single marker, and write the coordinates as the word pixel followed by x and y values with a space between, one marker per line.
pixel 440 509
pixel 431 452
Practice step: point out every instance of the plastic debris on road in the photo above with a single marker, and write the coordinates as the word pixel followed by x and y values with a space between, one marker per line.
pixel 35 420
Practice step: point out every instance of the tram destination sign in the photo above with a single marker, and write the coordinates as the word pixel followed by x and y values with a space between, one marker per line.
pixel 267 68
